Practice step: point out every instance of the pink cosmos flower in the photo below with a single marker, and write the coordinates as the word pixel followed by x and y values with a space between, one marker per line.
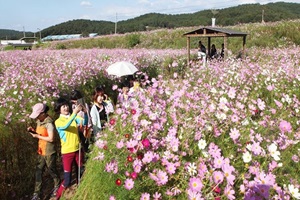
pixel 129 183
pixel 229 192
pixel 171 168
pixel 162 177
pixel 235 118
pixel 218 177
pixel 131 143
pixel 256 149
pixel 148 157
pixel 218 162
pixel 295 158
pixel 195 184
pixel 114 87
pixel 120 144
pixel 156 196
pixel 261 104
pixel 231 93
pixel 234 134
pixel 278 103
pixel 285 126
pixel 112 197
pixel 192 195
pixel 270 87
pixel 145 196
pixel 227 169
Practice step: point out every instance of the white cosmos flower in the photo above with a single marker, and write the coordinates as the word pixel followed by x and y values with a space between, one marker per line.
pixel 245 122
pixel 273 151
pixel 205 154
pixel 249 147
pixel 223 100
pixel 192 169
pixel 247 157
pixel 201 144
pixel 294 191
pixel 213 90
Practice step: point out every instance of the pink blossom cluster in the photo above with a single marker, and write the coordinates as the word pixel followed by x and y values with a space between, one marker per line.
pixel 223 132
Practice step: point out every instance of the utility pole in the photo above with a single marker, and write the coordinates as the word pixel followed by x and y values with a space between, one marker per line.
pixel 24 31
pixel 116 24
pixel 262 16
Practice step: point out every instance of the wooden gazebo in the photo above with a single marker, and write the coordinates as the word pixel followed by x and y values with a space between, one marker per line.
pixel 210 32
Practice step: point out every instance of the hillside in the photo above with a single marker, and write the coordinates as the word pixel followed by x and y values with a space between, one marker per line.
pixel 247 13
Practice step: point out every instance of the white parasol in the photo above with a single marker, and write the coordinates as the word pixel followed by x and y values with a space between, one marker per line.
pixel 121 68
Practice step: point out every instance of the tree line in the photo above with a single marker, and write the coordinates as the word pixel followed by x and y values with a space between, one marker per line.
pixel 247 13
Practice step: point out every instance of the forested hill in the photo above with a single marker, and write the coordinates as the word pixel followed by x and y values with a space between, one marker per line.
pixel 246 13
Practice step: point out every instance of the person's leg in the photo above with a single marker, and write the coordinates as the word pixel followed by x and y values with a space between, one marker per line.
pixel 51 164
pixel 38 174
pixel 67 160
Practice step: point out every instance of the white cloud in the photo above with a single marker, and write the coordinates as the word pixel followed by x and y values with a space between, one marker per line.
pixel 86 3
pixel 85 17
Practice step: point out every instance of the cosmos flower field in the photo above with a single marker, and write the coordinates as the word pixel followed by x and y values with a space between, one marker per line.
pixel 227 130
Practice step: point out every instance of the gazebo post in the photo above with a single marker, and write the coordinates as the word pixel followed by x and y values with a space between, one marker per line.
pixel 208 48
pixel 225 47
pixel 188 49
pixel 244 49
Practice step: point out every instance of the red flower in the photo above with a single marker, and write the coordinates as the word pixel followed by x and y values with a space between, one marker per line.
pixel 129 159
pixel 140 156
pixel 105 147
pixel 127 135
pixel 133 111
pixel 133 175
pixel 112 122
pixel 217 190
pixel 118 182
pixel 217 198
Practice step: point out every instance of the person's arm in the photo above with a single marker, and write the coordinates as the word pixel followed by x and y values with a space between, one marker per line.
pixel 95 119
pixel 64 125
pixel 50 131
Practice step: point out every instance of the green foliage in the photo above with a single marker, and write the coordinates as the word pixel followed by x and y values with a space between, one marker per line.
pixel 61 46
pixel 272 35
pixel 133 40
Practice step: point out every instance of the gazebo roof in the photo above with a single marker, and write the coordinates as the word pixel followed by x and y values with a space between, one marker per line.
pixel 215 32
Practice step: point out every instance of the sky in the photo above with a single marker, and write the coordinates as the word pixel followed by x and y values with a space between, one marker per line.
pixel 36 15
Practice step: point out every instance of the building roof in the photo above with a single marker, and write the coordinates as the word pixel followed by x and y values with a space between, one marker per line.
pixel 215 32
pixel 62 37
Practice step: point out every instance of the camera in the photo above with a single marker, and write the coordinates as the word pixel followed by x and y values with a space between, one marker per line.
pixel 81 101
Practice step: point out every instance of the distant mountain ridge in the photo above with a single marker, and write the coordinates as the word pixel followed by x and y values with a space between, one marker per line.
pixel 247 13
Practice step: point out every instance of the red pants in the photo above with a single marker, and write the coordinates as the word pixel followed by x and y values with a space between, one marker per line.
pixel 68 159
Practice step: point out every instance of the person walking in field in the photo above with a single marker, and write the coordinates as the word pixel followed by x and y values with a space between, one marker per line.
pixel 67 126
pixel 44 132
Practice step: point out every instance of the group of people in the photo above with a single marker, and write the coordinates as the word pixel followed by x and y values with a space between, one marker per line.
pixel 77 123
pixel 213 53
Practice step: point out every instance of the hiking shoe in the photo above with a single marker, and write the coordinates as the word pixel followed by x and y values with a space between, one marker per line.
pixel 35 196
